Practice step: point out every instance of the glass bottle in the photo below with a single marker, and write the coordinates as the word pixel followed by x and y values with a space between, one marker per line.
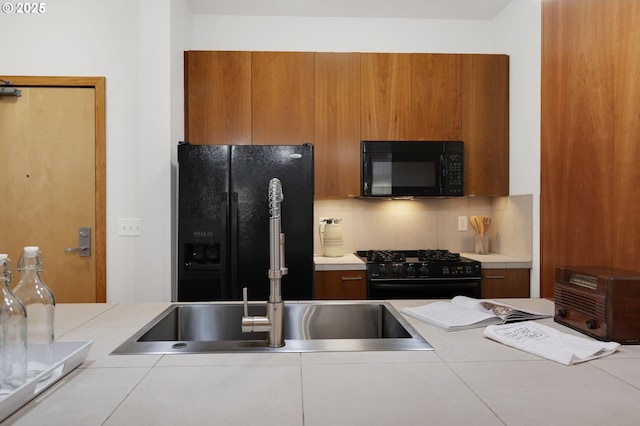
pixel 13 334
pixel 40 304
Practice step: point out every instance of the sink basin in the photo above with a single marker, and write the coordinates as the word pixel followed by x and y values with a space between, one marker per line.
pixel 308 327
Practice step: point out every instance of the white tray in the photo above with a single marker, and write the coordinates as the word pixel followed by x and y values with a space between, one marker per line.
pixel 67 356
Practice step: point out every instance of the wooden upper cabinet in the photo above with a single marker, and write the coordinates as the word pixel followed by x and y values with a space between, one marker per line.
pixel 386 96
pixel 436 112
pixel 337 124
pixel 485 124
pixel 335 100
pixel 217 97
pixel 282 98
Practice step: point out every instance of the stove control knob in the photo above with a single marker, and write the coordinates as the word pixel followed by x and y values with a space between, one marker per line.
pixel 424 270
pixel 383 270
pixel 397 269
pixel 411 271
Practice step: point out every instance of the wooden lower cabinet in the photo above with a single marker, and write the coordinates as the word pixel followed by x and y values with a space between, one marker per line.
pixel 501 283
pixel 341 285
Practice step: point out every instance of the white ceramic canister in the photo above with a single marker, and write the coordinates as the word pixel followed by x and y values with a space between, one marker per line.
pixel 331 238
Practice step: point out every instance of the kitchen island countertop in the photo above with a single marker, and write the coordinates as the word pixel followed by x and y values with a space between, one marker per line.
pixel 467 379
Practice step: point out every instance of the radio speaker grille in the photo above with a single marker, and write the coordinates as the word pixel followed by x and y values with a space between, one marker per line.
pixel 585 304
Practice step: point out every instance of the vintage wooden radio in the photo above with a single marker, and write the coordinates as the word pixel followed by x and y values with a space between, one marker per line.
pixel 601 302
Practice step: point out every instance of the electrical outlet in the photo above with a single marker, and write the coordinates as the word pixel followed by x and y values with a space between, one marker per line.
pixel 129 227
pixel 462 223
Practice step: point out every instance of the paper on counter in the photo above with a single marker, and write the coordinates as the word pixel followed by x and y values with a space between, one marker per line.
pixel 547 342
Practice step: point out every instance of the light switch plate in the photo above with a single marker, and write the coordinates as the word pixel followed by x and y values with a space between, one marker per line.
pixel 462 223
pixel 129 227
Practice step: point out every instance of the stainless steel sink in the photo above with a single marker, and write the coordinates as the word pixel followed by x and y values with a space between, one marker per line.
pixel 308 327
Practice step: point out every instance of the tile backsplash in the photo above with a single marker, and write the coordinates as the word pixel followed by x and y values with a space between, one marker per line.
pixel 430 223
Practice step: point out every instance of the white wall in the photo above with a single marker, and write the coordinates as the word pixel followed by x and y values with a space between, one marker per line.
pixel 129 43
pixel 212 32
pixel 137 46
pixel 518 33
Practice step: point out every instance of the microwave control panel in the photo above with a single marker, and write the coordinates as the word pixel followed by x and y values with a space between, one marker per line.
pixel 455 165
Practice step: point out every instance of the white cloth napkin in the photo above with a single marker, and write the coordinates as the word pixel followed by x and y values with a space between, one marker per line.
pixel 549 343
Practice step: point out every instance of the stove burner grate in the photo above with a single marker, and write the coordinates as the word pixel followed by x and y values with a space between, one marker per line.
pixel 398 256
pixel 438 256
pixel 385 256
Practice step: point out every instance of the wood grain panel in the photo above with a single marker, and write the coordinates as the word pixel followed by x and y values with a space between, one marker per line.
pixel 341 285
pixel 337 124
pixel 578 131
pixel 48 165
pixel 485 124
pixel 99 237
pixel 386 96
pixel 436 112
pixel 499 283
pixel 282 98
pixel 218 97
pixel 626 189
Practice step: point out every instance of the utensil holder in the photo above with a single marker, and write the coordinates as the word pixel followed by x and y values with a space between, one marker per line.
pixel 481 244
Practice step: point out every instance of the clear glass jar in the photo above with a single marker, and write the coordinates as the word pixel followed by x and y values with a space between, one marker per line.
pixel 39 303
pixel 482 244
pixel 13 333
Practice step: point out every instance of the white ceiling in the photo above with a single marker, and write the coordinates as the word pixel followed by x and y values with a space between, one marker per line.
pixel 426 9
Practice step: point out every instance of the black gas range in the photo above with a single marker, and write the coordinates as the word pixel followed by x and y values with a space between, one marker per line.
pixel 420 274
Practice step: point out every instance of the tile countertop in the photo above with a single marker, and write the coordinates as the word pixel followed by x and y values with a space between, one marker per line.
pixel 352 262
pixel 499 261
pixel 467 379
pixel 348 262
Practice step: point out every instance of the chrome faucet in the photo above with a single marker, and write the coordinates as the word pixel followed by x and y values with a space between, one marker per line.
pixel 273 322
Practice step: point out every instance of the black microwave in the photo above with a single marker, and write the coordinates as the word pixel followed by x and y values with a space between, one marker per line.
pixel 412 169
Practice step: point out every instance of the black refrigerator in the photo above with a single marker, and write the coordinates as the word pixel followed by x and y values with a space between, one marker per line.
pixel 223 220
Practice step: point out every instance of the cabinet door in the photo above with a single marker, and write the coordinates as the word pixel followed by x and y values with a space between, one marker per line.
pixel 217 97
pixel 435 97
pixel 282 98
pixel 485 124
pixel 500 283
pixel 386 96
pixel 337 124
pixel 341 285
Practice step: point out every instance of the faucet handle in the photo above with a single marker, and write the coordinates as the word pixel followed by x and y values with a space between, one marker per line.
pixel 283 268
pixel 245 301
pixel 255 323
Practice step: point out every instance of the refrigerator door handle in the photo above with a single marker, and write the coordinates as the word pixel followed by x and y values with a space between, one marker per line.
pixel 233 246
pixel 224 249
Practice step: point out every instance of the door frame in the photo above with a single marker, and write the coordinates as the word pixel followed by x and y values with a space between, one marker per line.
pixel 98 84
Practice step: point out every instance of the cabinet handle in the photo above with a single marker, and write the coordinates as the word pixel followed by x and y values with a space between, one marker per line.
pixel 351 278
pixel 494 277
